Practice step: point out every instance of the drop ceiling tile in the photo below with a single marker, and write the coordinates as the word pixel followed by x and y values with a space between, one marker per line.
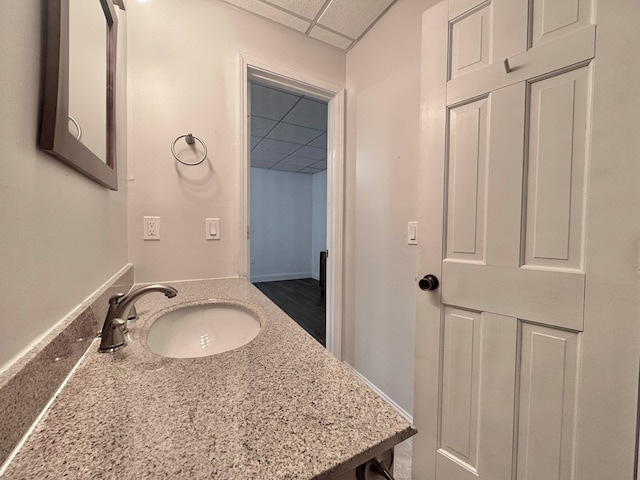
pixel 277 147
pixel 305 8
pixel 272 150
pixel 320 142
pixel 310 170
pixel 293 133
pixel 271 13
pixel 353 17
pixel 285 168
pixel 309 113
pixel 321 165
pixel 298 161
pixel 265 157
pixel 270 103
pixel 255 141
pixel 257 164
pixel 331 38
pixel 312 152
pixel 261 126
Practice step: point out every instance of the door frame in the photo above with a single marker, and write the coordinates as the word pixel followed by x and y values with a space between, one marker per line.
pixel 253 68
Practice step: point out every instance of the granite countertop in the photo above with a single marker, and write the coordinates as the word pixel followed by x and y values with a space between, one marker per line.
pixel 280 407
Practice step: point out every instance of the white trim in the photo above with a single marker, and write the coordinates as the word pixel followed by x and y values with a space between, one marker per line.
pixel 276 277
pixel 185 280
pixel 408 417
pixel 244 176
pixel 267 72
pixel 335 222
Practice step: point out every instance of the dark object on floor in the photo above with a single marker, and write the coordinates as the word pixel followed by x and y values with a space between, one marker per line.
pixel 302 301
pixel 323 271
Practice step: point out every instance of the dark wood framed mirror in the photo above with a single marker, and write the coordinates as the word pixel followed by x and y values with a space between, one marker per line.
pixel 86 141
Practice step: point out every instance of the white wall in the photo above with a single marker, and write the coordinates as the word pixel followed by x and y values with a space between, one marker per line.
pixel 288 224
pixel 318 220
pixel 281 225
pixel 383 96
pixel 184 74
pixel 62 234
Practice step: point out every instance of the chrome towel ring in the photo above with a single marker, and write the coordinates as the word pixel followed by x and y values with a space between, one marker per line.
pixel 189 138
pixel 78 129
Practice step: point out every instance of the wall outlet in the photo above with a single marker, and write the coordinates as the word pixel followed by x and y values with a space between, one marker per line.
pixel 151 228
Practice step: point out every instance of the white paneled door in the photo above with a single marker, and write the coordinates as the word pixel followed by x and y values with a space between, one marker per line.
pixel 507 122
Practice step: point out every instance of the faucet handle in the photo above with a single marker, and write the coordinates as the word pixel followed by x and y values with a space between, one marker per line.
pixel 121 323
pixel 115 299
pixel 118 322
pixel 112 336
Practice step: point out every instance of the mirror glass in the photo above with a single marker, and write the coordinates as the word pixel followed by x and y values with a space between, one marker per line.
pixel 88 75
pixel 78 102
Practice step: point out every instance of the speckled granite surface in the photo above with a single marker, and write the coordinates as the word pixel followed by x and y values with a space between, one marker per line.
pixel 280 407
pixel 27 386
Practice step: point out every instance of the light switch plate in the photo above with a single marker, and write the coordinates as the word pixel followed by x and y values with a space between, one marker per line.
pixel 212 228
pixel 151 228
pixel 412 233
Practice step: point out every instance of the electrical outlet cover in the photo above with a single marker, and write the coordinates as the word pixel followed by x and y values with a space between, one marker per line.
pixel 151 228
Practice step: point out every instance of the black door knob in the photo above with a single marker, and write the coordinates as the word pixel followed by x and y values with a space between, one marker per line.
pixel 428 282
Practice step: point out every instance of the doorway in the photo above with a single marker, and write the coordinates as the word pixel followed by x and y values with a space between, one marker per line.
pixel 278 78
pixel 288 202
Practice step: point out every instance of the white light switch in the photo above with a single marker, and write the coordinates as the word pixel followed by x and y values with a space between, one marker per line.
pixel 151 226
pixel 212 228
pixel 412 233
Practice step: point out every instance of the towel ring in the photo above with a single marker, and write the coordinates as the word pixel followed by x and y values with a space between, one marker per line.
pixel 189 138
pixel 78 129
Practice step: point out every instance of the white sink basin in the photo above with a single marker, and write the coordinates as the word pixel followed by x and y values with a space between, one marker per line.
pixel 202 330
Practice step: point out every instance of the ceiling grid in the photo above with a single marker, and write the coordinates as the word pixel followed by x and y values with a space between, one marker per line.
pixel 340 23
pixel 288 131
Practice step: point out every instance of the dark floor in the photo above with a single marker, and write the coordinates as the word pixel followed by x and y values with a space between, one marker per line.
pixel 302 301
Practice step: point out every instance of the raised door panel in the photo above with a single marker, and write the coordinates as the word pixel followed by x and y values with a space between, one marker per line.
pixel 551 19
pixel 460 378
pixel 548 399
pixel 485 32
pixel 470 40
pixel 558 135
pixel 467 165
pixel 478 396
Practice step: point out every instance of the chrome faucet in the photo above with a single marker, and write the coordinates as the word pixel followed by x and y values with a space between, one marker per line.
pixel 112 335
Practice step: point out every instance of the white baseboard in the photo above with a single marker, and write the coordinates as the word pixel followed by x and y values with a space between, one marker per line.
pixel 384 396
pixel 315 276
pixel 279 276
